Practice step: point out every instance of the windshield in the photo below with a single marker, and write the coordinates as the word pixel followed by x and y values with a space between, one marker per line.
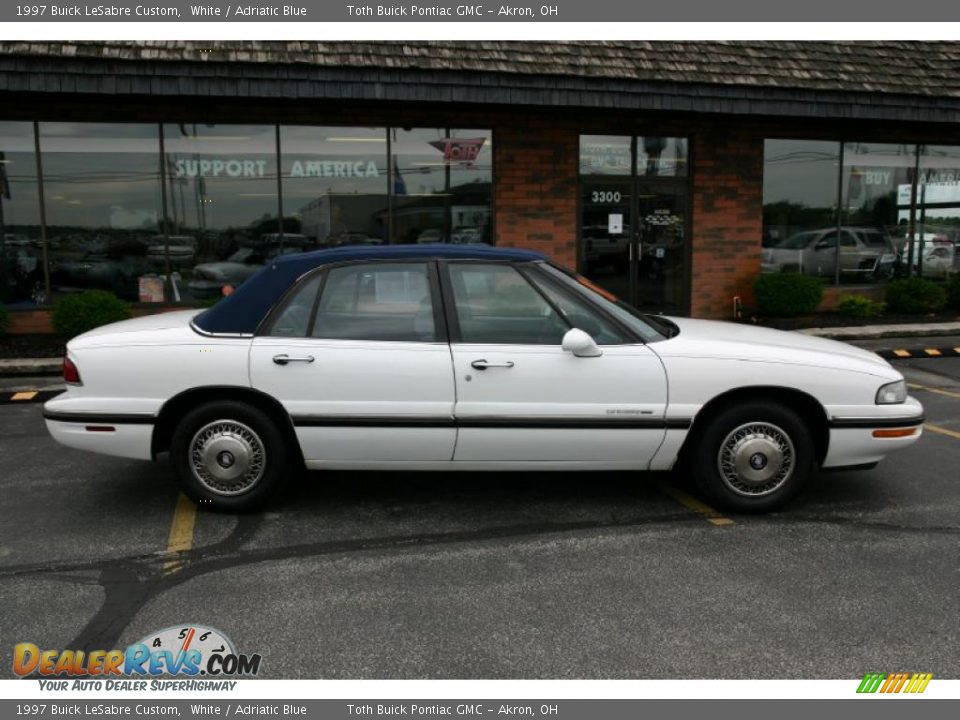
pixel 647 327
pixel 798 241
pixel 240 255
pixel 874 238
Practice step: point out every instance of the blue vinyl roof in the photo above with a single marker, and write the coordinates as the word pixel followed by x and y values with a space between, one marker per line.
pixel 242 312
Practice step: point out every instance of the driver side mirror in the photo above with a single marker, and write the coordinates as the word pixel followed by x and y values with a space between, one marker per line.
pixel 580 344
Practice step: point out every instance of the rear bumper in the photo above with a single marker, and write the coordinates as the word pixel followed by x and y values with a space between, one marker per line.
pixel 126 436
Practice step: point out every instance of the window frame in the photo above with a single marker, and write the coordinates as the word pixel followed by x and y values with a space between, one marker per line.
pixel 441 334
pixel 526 269
pixel 453 316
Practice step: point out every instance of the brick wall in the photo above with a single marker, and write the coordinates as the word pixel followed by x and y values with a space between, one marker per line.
pixel 536 190
pixel 832 293
pixel 30 322
pixel 727 219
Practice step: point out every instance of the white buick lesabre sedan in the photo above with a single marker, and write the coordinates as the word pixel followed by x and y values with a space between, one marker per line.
pixel 435 357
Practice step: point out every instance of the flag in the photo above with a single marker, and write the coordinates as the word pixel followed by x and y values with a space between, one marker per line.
pixel 399 186
pixel 4 182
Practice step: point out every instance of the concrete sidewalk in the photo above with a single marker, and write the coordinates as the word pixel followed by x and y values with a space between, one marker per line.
pixel 871 332
pixel 31 366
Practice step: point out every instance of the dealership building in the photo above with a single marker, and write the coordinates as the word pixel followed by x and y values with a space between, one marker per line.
pixel 671 173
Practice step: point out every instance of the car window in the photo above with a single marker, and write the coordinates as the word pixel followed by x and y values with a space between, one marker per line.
pixel 580 314
pixel 496 304
pixel 874 238
pixel 376 301
pixel 827 241
pixel 294 319
pixel 847 240
pixel 648 327
pixel 798 241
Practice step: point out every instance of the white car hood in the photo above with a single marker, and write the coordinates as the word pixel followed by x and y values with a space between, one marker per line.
pixel 710 338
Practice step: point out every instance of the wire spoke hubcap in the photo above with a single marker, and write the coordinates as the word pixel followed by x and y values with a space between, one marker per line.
pixel 227 457
pixel 756 459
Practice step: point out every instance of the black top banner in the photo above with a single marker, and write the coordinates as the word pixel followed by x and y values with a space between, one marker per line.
pixel 550 11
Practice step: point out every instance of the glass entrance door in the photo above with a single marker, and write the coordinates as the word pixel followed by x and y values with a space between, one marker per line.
pixel 661 247
pixel 633 240
pixel 607 234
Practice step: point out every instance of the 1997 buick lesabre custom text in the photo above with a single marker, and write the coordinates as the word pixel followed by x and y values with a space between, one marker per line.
pixel 469 358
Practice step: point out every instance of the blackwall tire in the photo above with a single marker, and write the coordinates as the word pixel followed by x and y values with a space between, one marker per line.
pixel 229 457
pixel 753 458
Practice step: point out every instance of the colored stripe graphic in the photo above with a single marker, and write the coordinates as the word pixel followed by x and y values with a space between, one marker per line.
pixel 891 683
pixel 870 683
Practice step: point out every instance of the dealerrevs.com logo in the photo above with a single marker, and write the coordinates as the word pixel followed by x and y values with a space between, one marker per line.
pixel 182 651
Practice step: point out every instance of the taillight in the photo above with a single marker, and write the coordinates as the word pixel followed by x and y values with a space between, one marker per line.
pixel 71 374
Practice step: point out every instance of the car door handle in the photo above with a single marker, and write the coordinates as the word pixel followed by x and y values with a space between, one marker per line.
pixel 285 359
pixel 483 364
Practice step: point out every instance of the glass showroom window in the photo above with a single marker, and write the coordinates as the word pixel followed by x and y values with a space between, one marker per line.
pixel 606 155
pixel 873 227
pixel 613 155
pixel 223 203
pixel 933 253
pixel 21 253
pixel 800 181
pixel 661 156
pixel 335 184
pixel 102 195
pixel 441 185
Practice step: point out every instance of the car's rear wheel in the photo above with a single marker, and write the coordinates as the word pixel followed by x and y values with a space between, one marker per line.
pixel 229 456
pixel 753 457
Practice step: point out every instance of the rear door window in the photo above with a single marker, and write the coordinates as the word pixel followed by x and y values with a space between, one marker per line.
pixel 376 301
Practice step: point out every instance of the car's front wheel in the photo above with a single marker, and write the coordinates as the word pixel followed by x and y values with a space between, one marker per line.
pixel 753 457
pixel 229 456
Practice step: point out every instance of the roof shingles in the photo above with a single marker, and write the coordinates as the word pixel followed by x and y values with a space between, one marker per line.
pixel 902 68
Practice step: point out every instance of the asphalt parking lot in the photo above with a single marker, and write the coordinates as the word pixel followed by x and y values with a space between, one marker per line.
pixel 497 576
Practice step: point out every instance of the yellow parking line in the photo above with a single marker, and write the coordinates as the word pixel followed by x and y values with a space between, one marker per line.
pixel 902 353
pixel 942 430
pixel 25 395
pixel 181 532
pixel 691 503
pixel 932 351
pixel 938 391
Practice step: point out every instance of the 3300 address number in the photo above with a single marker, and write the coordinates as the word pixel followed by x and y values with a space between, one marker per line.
pixel 605 196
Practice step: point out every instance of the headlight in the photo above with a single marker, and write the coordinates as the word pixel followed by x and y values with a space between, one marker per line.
pixel 892 393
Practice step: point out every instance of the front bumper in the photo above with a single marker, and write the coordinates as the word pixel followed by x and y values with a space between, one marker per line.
pixel 852 439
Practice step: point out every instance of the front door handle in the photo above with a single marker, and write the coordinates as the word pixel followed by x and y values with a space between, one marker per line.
pixel 285 359
pixel 483 364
